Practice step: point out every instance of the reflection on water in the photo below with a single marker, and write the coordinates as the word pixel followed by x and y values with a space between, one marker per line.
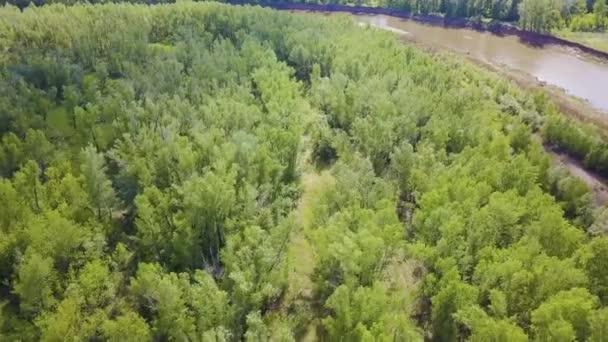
pixel 584 78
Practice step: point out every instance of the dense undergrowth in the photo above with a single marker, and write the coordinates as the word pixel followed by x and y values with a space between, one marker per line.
pixel 151 168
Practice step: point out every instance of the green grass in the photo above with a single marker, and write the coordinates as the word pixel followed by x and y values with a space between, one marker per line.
pixel 595 40
pixel 298 304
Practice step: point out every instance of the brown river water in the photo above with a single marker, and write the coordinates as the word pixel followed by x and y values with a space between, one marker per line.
pixel 577 74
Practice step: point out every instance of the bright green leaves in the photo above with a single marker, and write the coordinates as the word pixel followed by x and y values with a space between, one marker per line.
pixel 485 328
pixel 526 276
pixel 97 184
pixel 37 148
pixel 54 236
pixel 579 140
pixel 36 281
pixel 127 327
pixel 452 295
pixel 11 154
pixel 97 284
pixel 256 267
pixel 210 303
pixel 353 247
pixel 539 15
pixel 186 228
pixel 259 330
pixel 594 258
pixel 208 201
pixel 278 93
pixel 180 306
pixel 565 316
pixel 161 295
pixel 88 309
pixel 556 236
pixel 499 222
pixel 27 182
pixel 355 231
pixel 65 321
pixel 66 194
pixel 599 325
pixel 372 313
pixel 12 209
pixel 55 246
pixel 155 224
pixel 402 160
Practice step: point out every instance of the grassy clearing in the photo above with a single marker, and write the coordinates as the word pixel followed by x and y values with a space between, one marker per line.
pixel 595 40
pixel 299 301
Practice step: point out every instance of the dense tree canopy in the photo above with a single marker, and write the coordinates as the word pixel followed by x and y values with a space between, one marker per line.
pixel 204 172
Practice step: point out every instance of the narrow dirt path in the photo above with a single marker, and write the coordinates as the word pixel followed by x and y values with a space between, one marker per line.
pixel 300 251
pixel 300 291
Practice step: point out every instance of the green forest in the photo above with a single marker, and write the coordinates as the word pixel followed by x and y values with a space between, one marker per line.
pixel 534 15
pixel 206 172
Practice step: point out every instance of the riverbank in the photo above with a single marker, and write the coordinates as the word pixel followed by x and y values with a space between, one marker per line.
pixel 505 57
pixel 595 182
pixel 528 37
pixel 594 40
pixel 569 105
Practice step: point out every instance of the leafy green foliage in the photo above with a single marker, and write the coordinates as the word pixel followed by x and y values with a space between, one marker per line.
pixel 368 313
pixel 151 182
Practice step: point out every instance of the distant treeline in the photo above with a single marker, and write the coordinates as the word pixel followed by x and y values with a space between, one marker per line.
pixel 532 15
pixel 24 3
